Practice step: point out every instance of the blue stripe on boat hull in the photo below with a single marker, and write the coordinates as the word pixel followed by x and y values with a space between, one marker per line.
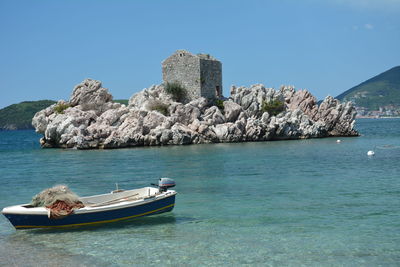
pixel 21 221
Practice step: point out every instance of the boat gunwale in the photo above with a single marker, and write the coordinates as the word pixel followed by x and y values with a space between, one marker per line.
pixel 18 227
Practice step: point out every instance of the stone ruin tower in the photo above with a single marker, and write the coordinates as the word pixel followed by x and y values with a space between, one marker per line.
pixel 201 74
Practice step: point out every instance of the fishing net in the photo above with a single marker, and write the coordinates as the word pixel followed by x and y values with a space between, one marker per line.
pixel 59 200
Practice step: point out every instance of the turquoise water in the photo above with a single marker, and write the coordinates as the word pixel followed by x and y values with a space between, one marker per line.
pixel 287 203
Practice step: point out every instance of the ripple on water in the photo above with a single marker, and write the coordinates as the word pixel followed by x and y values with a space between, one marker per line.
pixel 289 203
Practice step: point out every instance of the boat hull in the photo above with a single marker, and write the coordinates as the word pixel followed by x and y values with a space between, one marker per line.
pixel 26 221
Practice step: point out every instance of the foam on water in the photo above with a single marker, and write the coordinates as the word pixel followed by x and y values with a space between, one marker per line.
pixel 291 203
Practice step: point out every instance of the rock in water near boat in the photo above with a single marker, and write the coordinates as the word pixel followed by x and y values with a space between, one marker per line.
pixel 60 201
pixel 91 120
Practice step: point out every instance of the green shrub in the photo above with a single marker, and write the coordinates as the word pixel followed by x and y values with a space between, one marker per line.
pixel 273 107
pixel 60 108
pixel 220 104
pixel 176 90
pixel 159 106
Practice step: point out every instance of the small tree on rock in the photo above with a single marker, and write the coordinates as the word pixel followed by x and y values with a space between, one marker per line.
pixel 273 107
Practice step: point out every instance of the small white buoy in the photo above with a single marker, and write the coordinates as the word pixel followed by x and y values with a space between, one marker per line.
pixel 338 141
pixel 370 153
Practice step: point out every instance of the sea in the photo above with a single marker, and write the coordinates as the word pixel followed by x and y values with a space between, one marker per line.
pixel 314 202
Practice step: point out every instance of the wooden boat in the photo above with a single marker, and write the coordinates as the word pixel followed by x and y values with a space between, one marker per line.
pixel 106 208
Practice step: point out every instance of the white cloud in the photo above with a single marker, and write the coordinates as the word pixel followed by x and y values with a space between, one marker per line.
pixel 368 26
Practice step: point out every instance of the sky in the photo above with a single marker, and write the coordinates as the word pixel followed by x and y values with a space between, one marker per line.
pixel 325 46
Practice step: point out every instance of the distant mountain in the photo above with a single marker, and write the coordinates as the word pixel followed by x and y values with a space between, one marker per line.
pixel 19 116
pixel 381 92
pixel 122 101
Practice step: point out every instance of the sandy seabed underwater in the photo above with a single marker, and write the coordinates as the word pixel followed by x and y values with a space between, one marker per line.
pixel 285 203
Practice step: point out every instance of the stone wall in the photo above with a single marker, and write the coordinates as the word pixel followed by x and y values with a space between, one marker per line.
pixel 211 78
pixel 184 68
pixel 201 74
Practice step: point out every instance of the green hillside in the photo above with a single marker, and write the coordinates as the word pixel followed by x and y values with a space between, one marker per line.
pixel 121 101
pixel 381 91
pixel 19 116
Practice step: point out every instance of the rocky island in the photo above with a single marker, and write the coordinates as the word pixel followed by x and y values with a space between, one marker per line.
pixel 188 108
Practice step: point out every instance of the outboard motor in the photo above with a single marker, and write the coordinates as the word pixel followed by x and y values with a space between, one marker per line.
pixel 165 183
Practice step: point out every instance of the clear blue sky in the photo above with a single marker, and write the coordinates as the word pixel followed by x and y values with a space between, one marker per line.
pixel 47 47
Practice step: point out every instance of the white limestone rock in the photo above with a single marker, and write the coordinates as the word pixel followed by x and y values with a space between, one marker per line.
pixel 184 114
pixel 155 92
pixel 213 116
pixel 252 98
pixel 338 117
pixel 228 132
pixel 231 110
pixel 91 120
pixel 90 95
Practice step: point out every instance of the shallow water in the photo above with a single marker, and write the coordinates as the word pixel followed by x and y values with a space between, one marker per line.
pixel 292 203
